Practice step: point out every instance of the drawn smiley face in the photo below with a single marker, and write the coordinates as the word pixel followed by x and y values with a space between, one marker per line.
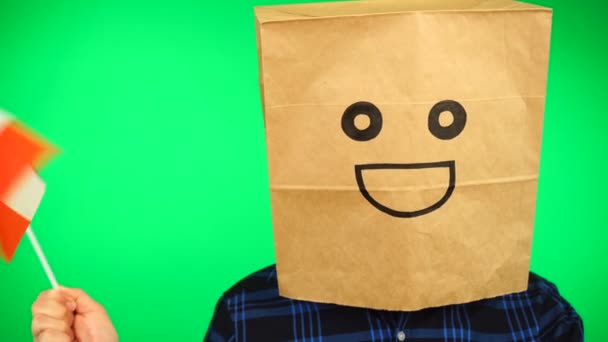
pixel 373 129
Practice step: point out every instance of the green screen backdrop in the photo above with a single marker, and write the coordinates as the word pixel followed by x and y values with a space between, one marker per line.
pixel 159 200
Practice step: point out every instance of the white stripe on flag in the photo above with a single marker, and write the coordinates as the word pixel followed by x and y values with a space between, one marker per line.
pixel 5 119
pixel 25 196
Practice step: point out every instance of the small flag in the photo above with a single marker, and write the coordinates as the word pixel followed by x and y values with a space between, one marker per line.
pixel 22 152
pixel 20 149
pixel 17 208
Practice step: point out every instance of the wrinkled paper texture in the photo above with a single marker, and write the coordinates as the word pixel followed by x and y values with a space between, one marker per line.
pixel 332 244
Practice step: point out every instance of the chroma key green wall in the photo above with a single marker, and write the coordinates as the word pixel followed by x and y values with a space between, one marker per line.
pixel 159 200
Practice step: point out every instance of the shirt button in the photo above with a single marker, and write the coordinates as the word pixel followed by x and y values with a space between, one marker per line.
pixel 401 336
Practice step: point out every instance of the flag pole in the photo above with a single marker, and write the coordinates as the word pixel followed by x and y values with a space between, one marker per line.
pixel 42 258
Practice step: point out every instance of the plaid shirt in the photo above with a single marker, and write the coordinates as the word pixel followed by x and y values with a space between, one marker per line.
pixel 252 310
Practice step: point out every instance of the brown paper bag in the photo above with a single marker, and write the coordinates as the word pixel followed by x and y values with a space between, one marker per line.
pixel 403 144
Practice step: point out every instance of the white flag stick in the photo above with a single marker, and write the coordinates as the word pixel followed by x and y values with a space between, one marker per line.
pixel 42 258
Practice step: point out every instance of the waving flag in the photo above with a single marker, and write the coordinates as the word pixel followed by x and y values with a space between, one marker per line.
pixel 20 149
pixel 17 209
pixel 21 189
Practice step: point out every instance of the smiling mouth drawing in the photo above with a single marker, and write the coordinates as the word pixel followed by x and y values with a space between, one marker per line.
pixel 449 164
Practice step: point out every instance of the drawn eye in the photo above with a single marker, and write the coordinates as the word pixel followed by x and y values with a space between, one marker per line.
pixel 362 121
pixel 458 119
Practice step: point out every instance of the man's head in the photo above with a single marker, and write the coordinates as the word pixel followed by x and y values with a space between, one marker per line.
pixel 403 144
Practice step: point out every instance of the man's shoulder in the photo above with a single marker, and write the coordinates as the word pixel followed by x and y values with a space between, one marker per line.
pixel 541 296
pixel 260 283
pixel 543 289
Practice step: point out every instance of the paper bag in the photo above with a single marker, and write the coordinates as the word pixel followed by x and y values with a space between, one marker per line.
pixel 403 146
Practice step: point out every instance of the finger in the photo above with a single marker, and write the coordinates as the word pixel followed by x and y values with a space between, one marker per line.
pixel 42 322
pixel 84 303
pixel 51 308
pixel 53 296
pixel 53 336
pixel 56 294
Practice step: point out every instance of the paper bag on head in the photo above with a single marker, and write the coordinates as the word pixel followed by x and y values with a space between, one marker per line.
pixel 403 143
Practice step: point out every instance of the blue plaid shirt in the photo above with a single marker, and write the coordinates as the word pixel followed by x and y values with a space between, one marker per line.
pixel 252 310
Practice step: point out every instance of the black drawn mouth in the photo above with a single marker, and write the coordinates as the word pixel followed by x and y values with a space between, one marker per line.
pixel 449 164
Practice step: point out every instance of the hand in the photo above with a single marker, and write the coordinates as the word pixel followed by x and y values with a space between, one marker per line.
pixel 67 315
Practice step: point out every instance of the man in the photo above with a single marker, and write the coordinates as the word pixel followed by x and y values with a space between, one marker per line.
pixel 253 310
pixel 403 149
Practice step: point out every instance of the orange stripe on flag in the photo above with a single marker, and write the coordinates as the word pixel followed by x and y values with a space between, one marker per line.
pixel 12 228
pixel 19 149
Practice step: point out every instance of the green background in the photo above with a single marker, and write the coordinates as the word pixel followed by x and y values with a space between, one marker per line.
pixel 159 200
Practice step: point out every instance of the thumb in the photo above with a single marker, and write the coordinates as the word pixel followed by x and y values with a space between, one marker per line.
pixel 84 303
